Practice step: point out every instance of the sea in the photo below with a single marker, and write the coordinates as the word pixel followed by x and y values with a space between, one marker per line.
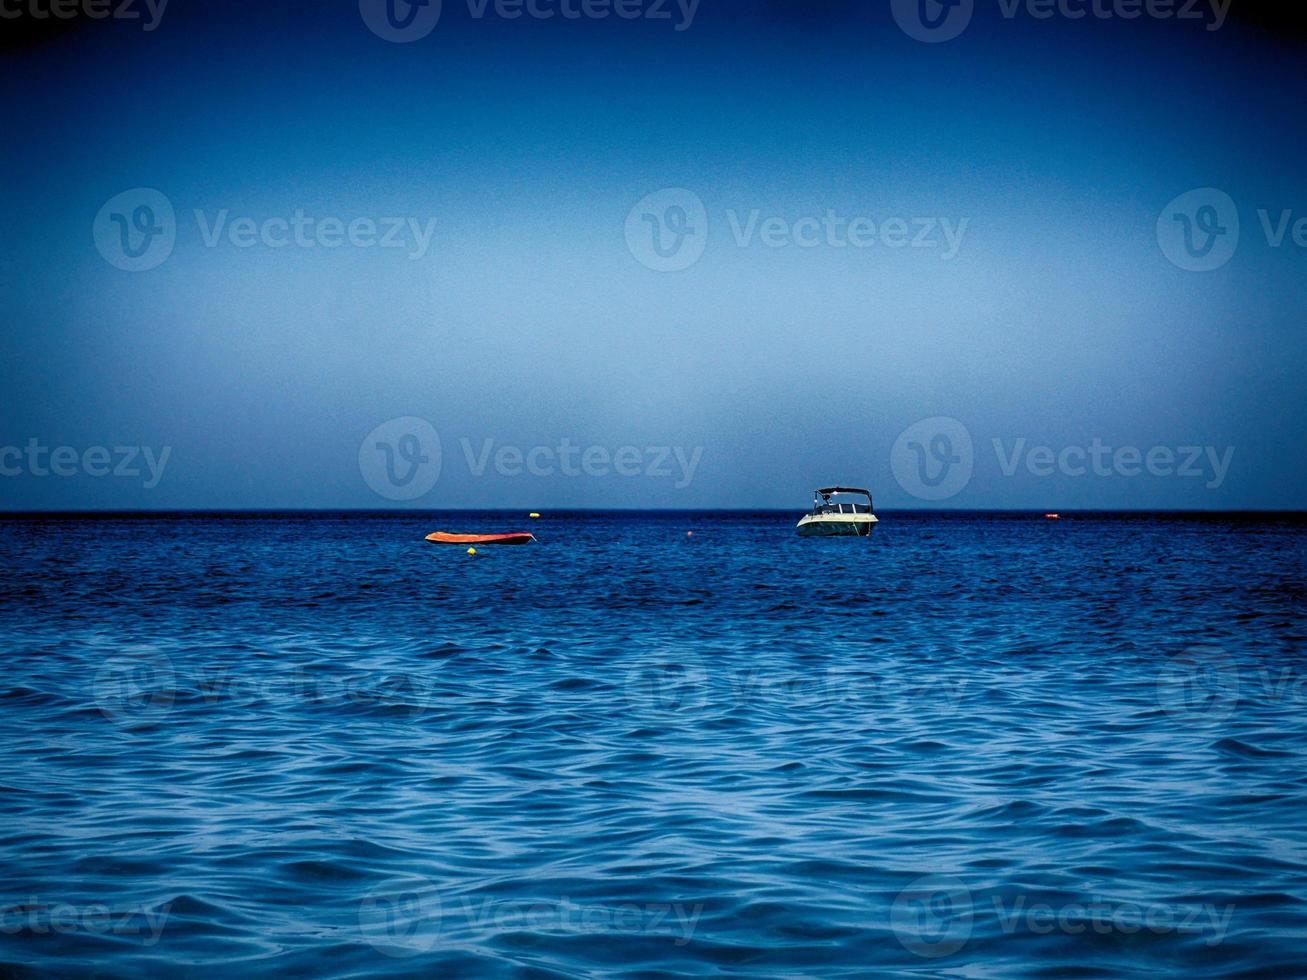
pixel 665 744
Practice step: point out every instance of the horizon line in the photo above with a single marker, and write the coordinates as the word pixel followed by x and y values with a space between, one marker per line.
pixel 72 512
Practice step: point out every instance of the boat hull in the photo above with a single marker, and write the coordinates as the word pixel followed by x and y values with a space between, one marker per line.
pixel 836 525
pixel 442 537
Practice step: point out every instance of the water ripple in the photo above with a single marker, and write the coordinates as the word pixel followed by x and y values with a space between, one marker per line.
pixel 980 745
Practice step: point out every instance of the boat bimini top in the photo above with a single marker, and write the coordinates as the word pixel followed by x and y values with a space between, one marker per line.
pixel 821 502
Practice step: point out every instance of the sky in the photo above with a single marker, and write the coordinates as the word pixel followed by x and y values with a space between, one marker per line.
pixel 712 255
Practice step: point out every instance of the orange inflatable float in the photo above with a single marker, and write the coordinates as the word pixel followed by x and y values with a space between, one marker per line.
pixel 442 537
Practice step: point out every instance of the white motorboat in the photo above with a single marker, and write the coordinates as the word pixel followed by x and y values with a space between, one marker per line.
pixel 831 517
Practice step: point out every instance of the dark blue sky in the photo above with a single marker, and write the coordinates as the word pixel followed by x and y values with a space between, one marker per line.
pixel 988 230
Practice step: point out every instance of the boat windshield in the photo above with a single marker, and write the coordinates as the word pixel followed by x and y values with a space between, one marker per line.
pixel 823 501
pixel 833 508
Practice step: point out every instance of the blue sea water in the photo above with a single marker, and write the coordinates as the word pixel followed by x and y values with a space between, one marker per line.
pixel 970 745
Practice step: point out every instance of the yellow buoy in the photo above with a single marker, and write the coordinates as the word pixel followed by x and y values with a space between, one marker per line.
pixel 533 515
pixel 471 551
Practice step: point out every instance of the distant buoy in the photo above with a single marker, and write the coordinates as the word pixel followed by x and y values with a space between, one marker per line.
pixel 471 551
pixel 689 534
pixel 533 515
pixel 1052 517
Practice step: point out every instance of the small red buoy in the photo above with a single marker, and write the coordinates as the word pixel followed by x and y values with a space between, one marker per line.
pixel 689 534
